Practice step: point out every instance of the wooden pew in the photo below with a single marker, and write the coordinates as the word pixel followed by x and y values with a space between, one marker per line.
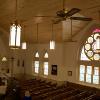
pixel 79 96
pixel 49 93
pixel 91 97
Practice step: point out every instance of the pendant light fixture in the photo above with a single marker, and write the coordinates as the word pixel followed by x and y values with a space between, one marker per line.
pixel 24 46
pixel 52 42
pixel 15 32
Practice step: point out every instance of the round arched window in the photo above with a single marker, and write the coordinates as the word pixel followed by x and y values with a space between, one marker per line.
pixel 89 70
pixel 90 46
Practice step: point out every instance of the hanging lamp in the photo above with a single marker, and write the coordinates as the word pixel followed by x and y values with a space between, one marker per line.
pixel 15 32
pixel 52 42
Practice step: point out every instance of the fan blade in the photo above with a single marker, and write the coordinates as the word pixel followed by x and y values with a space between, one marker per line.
pixel 72 12
pixel 44 16
pixel 61 13
pixel 93 7
pixel 81 18
pixel 57 20
pixel 26 20
pixel 71 40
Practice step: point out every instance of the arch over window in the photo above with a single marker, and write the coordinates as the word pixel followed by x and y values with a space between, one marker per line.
pixel 89 68
pixel 83 56
pixel 37 54
pixel 46 55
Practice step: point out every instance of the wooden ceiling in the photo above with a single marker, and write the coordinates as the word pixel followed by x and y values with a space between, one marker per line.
pixel 27 9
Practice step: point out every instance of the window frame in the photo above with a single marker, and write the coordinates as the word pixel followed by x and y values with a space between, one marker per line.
pixel 45 69
pixel 35 67
pixel 46 60
pixel 36 58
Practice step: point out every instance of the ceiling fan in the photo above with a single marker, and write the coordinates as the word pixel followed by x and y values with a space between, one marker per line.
pixel 64 14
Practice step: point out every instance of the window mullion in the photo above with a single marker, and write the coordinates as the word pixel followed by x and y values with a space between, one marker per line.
pixel 92 73
pixel 85 73
pixel 99 74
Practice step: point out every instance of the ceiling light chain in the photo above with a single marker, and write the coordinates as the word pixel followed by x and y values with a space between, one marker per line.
pixel 37 32
pixel 52 32
pixel 71 29
pixel 63 4
pixel 16 9
pixel 52 41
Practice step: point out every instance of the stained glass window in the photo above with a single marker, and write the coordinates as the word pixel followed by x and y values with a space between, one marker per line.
pixel 83 56
pixel 46 55
pixel 90 47
pixel 88 72
pixel 37 55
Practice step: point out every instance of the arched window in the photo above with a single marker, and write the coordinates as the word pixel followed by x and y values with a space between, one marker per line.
pixel 37 55
pixel 90 60
pixel 46 55
pixel 36 63
pixel 46 64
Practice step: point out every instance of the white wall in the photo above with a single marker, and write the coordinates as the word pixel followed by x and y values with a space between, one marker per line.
pixel 70 50
pixel 55 57
pixel 17 55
